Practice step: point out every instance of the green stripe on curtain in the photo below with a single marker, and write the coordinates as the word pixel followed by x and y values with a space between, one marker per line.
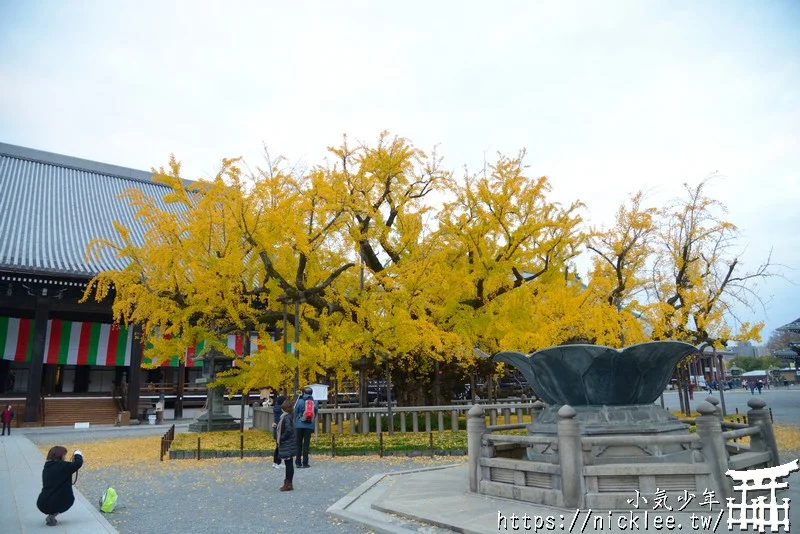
pixel 29 350
pixel 122 344
pixel 4 334
pixel 63 346
pixel 94 343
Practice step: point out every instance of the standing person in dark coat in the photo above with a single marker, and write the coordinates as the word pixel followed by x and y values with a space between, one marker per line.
pixel 304 429
pixel 287 446
pixel 56 496
pixel 276 416
pixel 7 416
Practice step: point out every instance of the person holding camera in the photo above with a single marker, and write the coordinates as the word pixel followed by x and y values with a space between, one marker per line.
pixel 276 416
pixel 56 496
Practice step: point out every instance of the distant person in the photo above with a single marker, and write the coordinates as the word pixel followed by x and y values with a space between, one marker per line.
pixel 304 427
pixel 752 387
pixel 7 416
pixel 56 496
pixel 287 442
pixel 277 411
pixel 759 385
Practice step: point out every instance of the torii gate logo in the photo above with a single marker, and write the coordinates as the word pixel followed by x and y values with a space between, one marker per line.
pixel 760 512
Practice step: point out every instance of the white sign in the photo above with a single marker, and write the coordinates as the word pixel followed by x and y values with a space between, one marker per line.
pixel 320 392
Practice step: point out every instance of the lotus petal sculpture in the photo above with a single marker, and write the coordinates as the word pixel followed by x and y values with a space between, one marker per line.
pixel 582 375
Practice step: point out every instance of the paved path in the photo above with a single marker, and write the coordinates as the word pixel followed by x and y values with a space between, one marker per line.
pixel 245 493
pixel 222 495
pixel 20 483
pixel 783 402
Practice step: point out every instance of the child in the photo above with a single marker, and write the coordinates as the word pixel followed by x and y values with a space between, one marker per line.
pixel 287 445
pixel 56 496
pixel 7 416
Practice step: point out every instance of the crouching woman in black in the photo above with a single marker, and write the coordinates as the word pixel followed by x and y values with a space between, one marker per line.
pixel 56 496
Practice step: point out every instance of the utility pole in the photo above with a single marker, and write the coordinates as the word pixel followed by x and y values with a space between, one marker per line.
pixel 720 380
pixel 296 341
pixel 389 395
pixel 245 394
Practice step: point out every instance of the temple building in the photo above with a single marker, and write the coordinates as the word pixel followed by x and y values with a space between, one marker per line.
pixel 64 361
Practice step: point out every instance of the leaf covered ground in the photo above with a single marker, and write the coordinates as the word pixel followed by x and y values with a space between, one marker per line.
pixel 231 494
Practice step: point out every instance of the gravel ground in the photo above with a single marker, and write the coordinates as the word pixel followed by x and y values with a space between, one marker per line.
pixel 226 495
pixel 229 495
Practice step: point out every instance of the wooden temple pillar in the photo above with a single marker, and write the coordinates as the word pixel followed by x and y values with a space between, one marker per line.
pixel 181 386
pixel 135 379
pixel 33 399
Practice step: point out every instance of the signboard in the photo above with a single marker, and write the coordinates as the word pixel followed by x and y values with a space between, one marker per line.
pixel 320 392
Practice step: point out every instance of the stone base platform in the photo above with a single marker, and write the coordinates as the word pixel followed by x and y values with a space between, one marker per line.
pixel 437 500
pixel 610 420
pixel 220 421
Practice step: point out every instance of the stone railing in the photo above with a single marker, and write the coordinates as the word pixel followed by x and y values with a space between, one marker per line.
pixel 568 469
pixel 406 418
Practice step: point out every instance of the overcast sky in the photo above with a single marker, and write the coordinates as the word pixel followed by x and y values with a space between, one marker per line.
pixel 608 97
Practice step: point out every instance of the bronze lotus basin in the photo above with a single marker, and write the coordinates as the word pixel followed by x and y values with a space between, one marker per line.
pixel 586 375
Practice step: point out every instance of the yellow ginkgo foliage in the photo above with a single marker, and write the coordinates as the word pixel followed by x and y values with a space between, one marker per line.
pixel 383 256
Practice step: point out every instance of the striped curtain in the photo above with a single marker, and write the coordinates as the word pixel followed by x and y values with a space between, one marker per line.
pixel 16 338
pixel 68 342
pixel 234 343
pixel 191 354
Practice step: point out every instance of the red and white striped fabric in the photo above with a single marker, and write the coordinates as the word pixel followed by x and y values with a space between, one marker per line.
pixel 81 343
pixel 68 342
pixel 236 345
pixel 16 338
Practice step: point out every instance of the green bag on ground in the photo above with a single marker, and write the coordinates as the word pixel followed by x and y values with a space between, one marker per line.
pixel 108 501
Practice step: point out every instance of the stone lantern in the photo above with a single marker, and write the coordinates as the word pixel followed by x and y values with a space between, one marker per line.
pixel 216 416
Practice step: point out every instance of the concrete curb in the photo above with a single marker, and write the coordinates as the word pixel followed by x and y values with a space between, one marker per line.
pixel 339 506
pixel 375 518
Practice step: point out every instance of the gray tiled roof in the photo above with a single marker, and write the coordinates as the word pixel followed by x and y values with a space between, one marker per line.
pixel 52 206
pixel 794 326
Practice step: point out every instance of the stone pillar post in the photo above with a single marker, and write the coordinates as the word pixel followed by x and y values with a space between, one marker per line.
pixel 476 428
pixel 759 416
pixel 715 403
pixel 570 455
pixel 538 406
pixel 709 428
